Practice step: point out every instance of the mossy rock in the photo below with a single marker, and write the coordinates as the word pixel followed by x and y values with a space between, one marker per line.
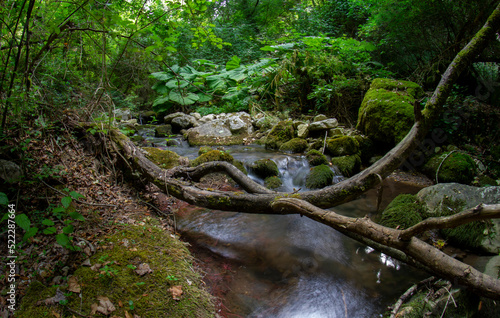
pixel 136 138
pixel 469 235
pixel 163 130
pixel 265 168
pixel 342 146
pixel 348 165
pixel 456 167
pixel 296 145
pixel 316 158
pixel 403 212
pixel 212 155
pixel 131 246
pixel 165 159
pixel 281 133
pixel 203 150
pixel 319 177
pixel 273 182
pixel 386 113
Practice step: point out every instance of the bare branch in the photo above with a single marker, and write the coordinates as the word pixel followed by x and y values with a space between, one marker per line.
pixel 480 212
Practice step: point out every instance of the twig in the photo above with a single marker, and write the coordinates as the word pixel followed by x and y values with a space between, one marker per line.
pixel 408 293
pixel 345 305
pixel 79 201
pixel 439 167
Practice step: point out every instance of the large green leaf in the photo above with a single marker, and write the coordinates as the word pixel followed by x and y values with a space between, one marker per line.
pixel 175 83
pixel 216 83
pixel 183 99
pixel 160 88
pixel 30 233
pixel 204 98
pixel 161 100
pixel 163 76
pixel 238 74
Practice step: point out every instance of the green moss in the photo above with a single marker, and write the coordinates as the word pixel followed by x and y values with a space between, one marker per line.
pixel 281 133
pixel 316 158
pixel 170 261
pixel 469 235
pixel 457 167
pixel 296 145
pixel 265 168
pixel 319 177
pixel 348 165
pixel 386 113
pixel 203 150
pixel 218 200
pixel 403 212
pixel 212 155
pixel 163 158
pixel 273 182
pixel 342 146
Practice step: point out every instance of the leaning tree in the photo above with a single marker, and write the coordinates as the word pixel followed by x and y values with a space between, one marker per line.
pixel 182 183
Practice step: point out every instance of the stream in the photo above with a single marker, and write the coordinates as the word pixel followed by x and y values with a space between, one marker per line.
pixel 287 265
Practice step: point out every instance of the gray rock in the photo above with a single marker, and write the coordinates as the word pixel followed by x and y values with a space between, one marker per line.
pixel 319 117
pixel 441 195
pixel 184 122
pixel 207 118
pixel 168 119
pixel 323 124
pixel 10 172
pixel 302 130
pixel 196 116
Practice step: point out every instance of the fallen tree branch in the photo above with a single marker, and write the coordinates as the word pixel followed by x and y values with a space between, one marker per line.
pixel 480 212
pixel 435 260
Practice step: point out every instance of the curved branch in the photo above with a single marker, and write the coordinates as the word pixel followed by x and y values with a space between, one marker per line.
pixel 480 212
pixel 196 173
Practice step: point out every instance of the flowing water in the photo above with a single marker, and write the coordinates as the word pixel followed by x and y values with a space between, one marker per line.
pixel 288 265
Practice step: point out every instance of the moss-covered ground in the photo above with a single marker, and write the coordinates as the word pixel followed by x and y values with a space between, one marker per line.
pixel 119 256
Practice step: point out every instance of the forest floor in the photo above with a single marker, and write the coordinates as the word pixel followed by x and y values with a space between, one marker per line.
pixel 59 163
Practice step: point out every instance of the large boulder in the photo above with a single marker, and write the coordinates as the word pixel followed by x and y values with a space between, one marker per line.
pixel 223 129
pixel 453 167
pixel 386 113
pixel 450 198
